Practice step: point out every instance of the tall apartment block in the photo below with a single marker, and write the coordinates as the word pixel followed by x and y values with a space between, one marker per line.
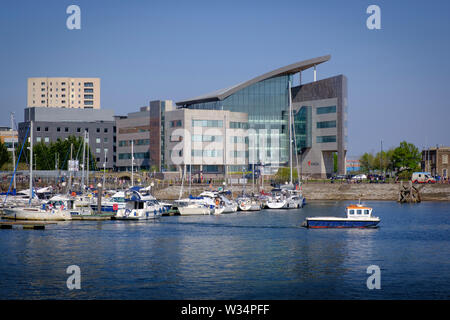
pixel 81 93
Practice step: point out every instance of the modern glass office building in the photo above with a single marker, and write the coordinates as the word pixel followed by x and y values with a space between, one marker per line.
pixel 266 101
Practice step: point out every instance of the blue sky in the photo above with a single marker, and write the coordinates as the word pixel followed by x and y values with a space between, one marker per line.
pixel 398 77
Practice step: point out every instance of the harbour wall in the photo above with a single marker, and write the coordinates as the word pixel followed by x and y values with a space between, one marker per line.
pixel 326 191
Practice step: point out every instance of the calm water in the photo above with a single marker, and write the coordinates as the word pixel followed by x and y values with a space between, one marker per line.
pixel 258 255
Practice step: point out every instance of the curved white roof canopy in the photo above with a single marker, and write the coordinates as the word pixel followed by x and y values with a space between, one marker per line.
pixel 224 93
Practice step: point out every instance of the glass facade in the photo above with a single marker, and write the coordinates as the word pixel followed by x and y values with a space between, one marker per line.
pixel 266 103
pixel 302 127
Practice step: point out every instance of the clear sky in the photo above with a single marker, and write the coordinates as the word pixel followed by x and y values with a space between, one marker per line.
pixel 398 77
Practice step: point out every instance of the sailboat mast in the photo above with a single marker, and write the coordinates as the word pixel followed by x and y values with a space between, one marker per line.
pixel 13 150
pixel 290 131
pixel 132 163
pixel 87 159
pixel 31 161
pixel 70 171
pixel 84 152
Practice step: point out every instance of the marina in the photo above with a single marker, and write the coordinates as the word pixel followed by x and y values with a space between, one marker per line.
pixel 243 255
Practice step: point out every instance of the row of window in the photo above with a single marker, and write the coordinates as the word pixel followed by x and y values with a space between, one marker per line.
pixel 326 124
pixel 211 153
pixel 238 125
pixel 66 129
pixel 138 142
pixel 86 90
pixel 47 139
pixel 137 155
pixel 206 138
pixel 207 123
pixel 325 139
pixel 323 110
pixel 86 84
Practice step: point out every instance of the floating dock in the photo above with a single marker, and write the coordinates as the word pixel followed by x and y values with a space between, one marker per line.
pixel 31 225
pixel 92 218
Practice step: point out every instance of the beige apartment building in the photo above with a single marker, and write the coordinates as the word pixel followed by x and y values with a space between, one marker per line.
pixel 81 93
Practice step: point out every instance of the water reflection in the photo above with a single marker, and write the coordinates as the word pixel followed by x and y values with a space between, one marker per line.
pixel 264 255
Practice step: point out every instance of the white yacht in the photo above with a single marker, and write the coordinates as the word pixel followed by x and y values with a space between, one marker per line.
pixel 138 207
pixel 249 204
pixel 195 206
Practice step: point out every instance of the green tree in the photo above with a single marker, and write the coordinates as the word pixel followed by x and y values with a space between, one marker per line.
pixel 367 162
pixel 4 154
pixel 283 174
pixel 406 157
pixel 383 160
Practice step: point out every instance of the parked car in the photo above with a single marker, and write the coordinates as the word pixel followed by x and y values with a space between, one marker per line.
pixel 422 177
pixel 376 178
pixel 359 177
pixel 337 177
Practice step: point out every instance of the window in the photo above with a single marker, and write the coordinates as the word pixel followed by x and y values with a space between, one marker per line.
pixel 175 123
pixel 58 129
pixel 46 139
pixel 46 129
pixel 97 150
pixel 366 211
pixel 326 124
pixel 325 139
pixel 88 103
pixel 323 110
pixel 352 211
pixel 359 211
pixel 78 129
pixel 88 84
pixel 38 139
pixel 105 130
pixel 445 159
pixel 38 129
pixel 105 140
pixel 88 90
pixel 207 123
pixel 238 125
pixel 97 140
pixel 98 130
pixel 89 96
pixel 66 129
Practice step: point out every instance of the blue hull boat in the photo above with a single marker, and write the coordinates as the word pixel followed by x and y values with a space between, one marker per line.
pixel 358 216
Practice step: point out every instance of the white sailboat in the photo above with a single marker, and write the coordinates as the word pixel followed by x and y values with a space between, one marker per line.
pixel 287 197
pixel 29 212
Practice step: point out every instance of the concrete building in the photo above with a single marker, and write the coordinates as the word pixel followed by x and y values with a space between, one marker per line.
pixel 319 112
pixel 8 137
pixel 436 161
pixel 206 140
pixel 78 93
pixel 51 124
pixel 146 129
